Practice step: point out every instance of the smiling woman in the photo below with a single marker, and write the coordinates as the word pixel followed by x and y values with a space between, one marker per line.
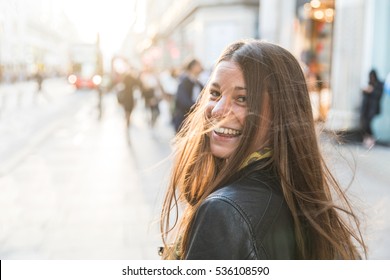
pixel 249 172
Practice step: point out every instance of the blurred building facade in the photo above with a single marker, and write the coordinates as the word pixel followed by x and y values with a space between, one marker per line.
pixel 34 36
pixel 177 29
pixel 338 41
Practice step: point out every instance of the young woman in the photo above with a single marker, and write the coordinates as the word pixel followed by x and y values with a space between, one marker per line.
pixel 248 174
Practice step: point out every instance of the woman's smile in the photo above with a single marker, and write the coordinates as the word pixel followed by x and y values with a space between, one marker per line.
pixel 227 132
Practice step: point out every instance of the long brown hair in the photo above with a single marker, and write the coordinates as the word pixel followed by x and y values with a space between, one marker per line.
pixel 323 229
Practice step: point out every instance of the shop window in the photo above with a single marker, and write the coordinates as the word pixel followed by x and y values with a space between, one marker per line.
pixel 314 27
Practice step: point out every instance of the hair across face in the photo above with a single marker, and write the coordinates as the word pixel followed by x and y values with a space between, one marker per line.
pixel 226 108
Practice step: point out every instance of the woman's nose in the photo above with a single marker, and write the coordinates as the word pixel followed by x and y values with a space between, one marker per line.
pixel 221 108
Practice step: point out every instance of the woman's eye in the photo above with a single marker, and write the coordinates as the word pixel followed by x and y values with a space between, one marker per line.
pixel 214 94
pixel 241 99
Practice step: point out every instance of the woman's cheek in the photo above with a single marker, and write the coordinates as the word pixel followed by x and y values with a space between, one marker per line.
pixel 241 115
pixel 209 109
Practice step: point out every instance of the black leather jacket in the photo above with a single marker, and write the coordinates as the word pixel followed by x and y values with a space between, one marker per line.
pixel 247 219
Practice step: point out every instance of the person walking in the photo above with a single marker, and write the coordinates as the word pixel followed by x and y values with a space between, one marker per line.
pixel 187 92
pixel 372 95
pixel 248 173
pixel 39 78
pixel 126 95
pixel 169 83
pixel 152 94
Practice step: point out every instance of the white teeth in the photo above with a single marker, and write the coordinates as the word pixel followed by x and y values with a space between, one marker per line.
pixel 227 131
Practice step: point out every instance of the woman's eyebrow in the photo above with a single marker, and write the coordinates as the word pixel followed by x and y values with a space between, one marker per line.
pixel 239 88
pixel 215 84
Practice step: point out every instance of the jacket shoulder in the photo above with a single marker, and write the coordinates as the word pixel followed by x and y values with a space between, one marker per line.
pixel 219 231
pixel 262 206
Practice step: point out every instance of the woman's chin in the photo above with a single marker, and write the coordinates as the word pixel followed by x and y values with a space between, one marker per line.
pixel 221 152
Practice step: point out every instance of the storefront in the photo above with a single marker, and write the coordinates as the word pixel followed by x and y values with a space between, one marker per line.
pixel 338 43
pixel 313 39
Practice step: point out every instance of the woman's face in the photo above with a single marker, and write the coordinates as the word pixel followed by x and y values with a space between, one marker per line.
pixel 226 108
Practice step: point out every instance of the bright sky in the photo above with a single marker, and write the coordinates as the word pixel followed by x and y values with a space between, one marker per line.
pixel 111 18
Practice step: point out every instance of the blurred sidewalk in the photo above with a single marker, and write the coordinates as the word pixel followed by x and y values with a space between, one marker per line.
pixel 22 95
pixel 26 119
pixel 84 193
pixel 365 173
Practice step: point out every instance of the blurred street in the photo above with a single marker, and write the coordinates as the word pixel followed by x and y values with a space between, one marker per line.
pixel 73 187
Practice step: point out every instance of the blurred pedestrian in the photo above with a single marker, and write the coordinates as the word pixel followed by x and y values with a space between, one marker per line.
pixel 188 91
pixel 248 170
pixel 39 79
pixel 126 94
pixel 152 94
pixel 169 83
pixel 372 95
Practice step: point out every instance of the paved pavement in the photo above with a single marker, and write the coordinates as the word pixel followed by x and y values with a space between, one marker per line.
pixel 365 174
pixel 83 191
